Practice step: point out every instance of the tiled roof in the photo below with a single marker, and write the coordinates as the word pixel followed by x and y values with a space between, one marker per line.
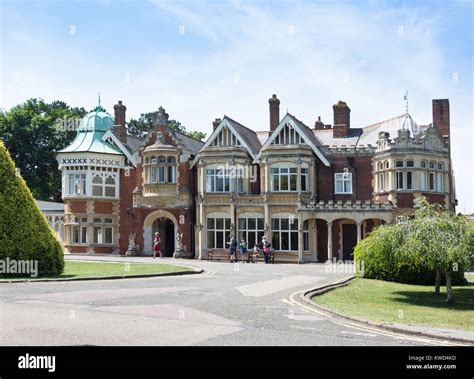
pixel 192 145
pixel 367 135
pixel 50 206
pixel 248 135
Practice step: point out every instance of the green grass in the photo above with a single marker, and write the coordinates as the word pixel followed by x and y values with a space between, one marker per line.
pixel 381 301
pixel 78 269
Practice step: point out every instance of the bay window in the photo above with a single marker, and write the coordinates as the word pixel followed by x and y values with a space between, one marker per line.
pixel 161 169
pixel 76 184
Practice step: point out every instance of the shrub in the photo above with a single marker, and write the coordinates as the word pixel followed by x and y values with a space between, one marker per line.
pixel 413 252
pixel 24 232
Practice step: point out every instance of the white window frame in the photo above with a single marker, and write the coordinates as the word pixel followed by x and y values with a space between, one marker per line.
pixel 276 172
pixel 214 231
pixel 78 181
pixel 258 231
pixel 344 178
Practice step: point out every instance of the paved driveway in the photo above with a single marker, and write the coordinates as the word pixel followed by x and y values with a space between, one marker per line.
pixel 244 304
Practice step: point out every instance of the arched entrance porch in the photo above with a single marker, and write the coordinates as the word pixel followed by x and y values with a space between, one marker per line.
pixel 166 224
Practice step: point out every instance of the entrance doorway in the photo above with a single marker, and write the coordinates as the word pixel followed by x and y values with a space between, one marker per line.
pixel 165 227
pixel 349 241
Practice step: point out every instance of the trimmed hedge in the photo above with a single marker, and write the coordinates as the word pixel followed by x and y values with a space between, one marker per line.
pixel 24 232
pixel 383 258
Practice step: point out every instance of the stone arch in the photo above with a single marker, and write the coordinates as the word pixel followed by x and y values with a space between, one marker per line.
pixel 148 228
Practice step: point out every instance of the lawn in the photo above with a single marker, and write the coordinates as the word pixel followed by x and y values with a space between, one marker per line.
pixel 381 301
pixel 78 269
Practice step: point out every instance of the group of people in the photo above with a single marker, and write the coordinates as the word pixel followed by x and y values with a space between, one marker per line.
pixel 264 246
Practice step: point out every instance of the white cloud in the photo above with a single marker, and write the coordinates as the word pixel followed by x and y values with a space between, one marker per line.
pixel 337 52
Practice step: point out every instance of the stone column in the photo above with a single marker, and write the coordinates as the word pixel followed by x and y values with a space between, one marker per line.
pixel 329 240
pixel 300 240
pixel 359 231
pixel 315 254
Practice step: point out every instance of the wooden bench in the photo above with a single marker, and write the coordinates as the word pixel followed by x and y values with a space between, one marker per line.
pixel 223 256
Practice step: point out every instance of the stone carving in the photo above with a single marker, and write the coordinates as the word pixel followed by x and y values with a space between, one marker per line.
pixel 179 250
pixel 132 250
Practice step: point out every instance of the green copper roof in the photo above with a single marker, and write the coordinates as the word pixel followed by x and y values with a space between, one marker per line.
pixel 98 121
pixel 89 135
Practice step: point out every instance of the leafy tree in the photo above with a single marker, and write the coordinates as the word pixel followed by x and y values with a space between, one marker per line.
pixel 443 240
pixel 24 232
pixel 140 128
pixel 33 132
pixel 201 136
pixel 436 243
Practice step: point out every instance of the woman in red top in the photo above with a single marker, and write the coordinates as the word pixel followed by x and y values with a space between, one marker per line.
pixel 157 245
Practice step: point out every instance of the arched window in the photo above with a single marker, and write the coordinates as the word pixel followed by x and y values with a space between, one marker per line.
pixel 153 170
pixel 386 164
pixel 440 166
pixel 171 170
pixel 110 186
pixel 410 164
pixel 423 164
pixel 97 185
pixel 161 169
pixel 399 164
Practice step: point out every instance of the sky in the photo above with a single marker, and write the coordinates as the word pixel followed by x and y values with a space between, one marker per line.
pixel 205 59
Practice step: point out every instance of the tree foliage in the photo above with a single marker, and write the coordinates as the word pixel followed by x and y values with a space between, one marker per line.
pixel 433 245
pixel 33 132
pixel 24 232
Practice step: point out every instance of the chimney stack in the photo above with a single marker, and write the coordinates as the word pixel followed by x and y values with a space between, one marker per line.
pixel 216 123
pixel 319 124
pixel 342 119
pixel 274 112
pixel 120 128
pixel 441 119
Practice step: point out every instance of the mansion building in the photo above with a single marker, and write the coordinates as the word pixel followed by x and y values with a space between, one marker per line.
pixel 314 191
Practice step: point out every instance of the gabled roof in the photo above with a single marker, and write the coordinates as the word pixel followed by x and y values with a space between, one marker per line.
pixel 121 146
pixel 247 137
pixel 304 131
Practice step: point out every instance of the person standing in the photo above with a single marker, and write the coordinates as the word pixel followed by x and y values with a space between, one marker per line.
pixel 266 249
pixel 243 250
pixel 232 249
pixel 157 245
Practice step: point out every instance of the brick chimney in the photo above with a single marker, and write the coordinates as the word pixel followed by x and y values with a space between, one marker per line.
pixel 342 119
pixel 120 128
pixel 216 123
pixel 319 124
pixel 274 112
pixel 441 118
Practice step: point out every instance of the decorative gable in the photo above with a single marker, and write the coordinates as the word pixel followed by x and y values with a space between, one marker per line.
pixel 225 138
pixel 287 136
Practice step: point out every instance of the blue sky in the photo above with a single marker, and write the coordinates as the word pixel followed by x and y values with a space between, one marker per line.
pixel 203 59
